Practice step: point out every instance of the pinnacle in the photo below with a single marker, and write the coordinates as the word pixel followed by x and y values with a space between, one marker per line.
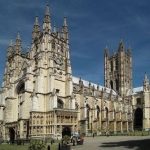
pixel 18 36
pixel 11 43
pixel 121 45
pixel 65 22
pixel 36 21
pixel 47 11
pixel 55 29
pixel 145 76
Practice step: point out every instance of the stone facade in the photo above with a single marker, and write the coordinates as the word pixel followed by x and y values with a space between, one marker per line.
pixel 40 97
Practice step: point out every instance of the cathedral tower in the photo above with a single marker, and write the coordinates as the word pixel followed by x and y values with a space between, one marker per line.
pixel 118 70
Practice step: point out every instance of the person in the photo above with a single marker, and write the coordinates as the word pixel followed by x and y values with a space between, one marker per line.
pixel 93 135
pixel 107 133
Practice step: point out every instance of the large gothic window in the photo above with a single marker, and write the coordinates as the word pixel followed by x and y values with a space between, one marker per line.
pixel 60 104
pixel 20 89
pixel 88 115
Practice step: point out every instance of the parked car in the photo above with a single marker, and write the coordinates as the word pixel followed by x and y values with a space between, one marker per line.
pixel 77 139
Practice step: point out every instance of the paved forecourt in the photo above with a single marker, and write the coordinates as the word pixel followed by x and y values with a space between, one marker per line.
pixel 115 143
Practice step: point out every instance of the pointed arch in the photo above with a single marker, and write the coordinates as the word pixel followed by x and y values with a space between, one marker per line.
pixel 60 104
pixel 98 112
pixel 20 87
pixel 138 119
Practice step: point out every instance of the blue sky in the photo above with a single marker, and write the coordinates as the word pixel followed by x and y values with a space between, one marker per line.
pixel 92 26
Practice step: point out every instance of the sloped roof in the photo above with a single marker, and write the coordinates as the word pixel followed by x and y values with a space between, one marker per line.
pixel 86 84
pixel 137 89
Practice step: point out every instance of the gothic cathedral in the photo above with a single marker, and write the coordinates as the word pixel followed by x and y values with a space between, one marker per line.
pixel 40 97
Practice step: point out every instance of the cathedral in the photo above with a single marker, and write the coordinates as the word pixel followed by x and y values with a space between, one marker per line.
pixel 40 98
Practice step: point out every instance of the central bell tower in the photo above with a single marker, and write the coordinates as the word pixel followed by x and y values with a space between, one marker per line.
pixel 118 70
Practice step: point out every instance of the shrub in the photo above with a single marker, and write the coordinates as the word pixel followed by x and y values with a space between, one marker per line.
pixel 66 139
pixel 37 145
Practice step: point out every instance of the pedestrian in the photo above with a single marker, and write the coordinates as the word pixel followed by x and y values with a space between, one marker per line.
pixel 93 135
pixel 48 148
pixel 59 146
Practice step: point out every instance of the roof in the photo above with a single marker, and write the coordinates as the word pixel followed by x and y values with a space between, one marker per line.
pixel 86 84
pixel 137 89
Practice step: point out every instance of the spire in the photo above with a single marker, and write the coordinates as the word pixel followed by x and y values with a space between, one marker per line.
pixel 65 22
pixel 36 29
pixel 36 23
pixel 47 21
pixel 47 12
pixel 65 30
pixel 121 46
pixel 106 51
pixel 18 36
pixel 146 78
pixel 18 44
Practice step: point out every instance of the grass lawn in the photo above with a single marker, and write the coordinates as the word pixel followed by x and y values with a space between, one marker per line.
pixel 22 147
pixel 13 147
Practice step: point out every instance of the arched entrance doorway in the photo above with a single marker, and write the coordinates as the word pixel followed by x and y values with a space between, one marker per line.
pixel 66 131
pixel 12 135
pixel 138 119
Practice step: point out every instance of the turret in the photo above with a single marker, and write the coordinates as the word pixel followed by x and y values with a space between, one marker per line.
pixel 121 47
pixel 36 29
pixel 47 21
pixel 65 30
pixel 106 66
pixel 118 70
pixel 18 45
pixel 106 51
pixel 146 83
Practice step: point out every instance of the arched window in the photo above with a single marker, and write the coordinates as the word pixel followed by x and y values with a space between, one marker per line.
pixel 98 112
pixel 111 66
pixel 138 101
pixel 106 113
pixel 60 104
pixel 138 119
pixel 117 85
pixel 88 115
pixel 53 44
pixel 20 88
pixel 111 84
pixel 116 63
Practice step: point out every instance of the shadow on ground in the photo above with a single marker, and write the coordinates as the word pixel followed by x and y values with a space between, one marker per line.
pixel 131 144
